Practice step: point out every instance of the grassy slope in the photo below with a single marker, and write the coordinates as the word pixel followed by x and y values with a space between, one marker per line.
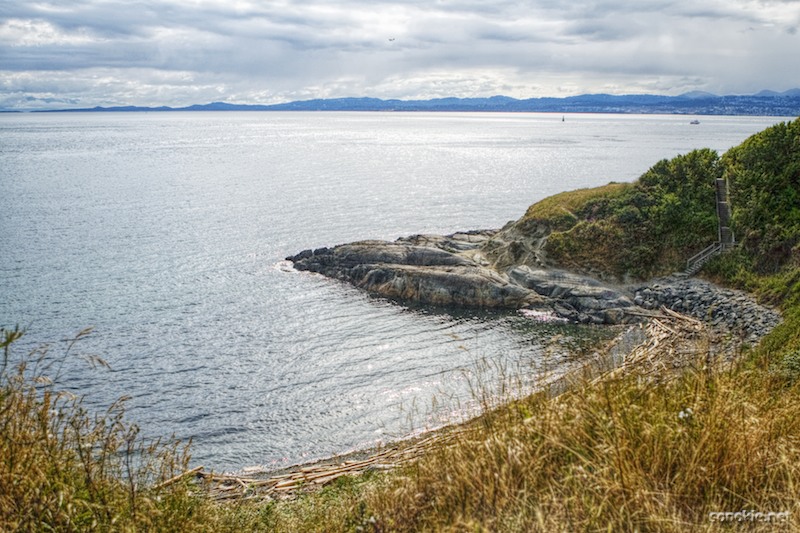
pixel 613 455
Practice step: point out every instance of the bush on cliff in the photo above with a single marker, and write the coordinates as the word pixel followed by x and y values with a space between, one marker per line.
pixel 640 229
pixel 764 178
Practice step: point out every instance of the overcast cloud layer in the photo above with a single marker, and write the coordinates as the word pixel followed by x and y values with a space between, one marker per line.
pixel 82 53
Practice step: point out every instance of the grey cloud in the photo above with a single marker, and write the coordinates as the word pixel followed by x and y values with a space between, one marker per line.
pixel 605 30
pixel 267 51
pixel 103 19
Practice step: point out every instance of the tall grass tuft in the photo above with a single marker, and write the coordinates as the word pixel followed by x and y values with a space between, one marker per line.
pixel 64 469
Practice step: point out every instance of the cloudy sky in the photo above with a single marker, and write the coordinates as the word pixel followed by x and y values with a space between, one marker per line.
pixel 64 53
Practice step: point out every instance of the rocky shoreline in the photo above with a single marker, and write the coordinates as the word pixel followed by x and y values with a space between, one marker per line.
pixel 678 320
pixel 500 269
pixel 732 310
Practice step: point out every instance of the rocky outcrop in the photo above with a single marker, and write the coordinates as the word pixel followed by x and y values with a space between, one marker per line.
pixel 576 298
pixel 517 243
pixel 730 309
pixel 455 270
pixel 505 269
pixel 428 269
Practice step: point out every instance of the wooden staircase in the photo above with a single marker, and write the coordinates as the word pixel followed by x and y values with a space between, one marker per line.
pixel 725 238
pixel 696 262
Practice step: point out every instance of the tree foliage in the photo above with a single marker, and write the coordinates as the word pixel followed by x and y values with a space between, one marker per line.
pixel 645 229
pixel 764 177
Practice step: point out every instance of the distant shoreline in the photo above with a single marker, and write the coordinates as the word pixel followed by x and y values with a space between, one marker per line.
pixel 761 104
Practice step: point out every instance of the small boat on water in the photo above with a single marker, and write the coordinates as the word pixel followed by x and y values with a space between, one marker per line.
pixel 695 121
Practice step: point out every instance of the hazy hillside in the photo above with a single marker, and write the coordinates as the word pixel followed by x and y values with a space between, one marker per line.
pixel 765 103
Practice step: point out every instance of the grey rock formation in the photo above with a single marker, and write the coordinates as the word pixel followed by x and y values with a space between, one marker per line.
pixel 517 243
pixel 575 297
pixel 506 269
pixel 455 270
pixel 427 269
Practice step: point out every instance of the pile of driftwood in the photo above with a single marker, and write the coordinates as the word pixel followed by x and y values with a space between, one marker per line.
pixel 312 476
pixel 672 341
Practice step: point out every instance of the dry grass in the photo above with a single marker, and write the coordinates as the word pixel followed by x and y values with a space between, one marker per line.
pixel 558 210
pixel 619 455
pixel 62 469
pixel 630 452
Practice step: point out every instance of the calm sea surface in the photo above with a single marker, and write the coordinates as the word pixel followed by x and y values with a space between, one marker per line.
pixel 166 232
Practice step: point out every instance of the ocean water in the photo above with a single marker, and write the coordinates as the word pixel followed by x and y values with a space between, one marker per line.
pixel 166 233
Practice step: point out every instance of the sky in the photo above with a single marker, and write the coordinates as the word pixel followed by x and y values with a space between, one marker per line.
pixel 83 53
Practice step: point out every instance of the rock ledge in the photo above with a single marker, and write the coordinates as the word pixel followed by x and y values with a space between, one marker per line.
pixel 454 270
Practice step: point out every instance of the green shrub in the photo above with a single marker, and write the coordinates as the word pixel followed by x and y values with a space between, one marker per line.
pixel 764 177
pixel 646 228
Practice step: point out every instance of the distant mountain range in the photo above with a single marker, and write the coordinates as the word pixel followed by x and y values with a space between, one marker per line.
pixel 692 103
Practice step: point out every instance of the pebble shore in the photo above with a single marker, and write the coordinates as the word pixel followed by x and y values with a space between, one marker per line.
pixel 734 310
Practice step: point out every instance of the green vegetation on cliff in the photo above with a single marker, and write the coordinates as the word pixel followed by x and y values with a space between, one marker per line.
pixel 764 180
pixel 642 229
pixel 650 227
pixel 764 177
